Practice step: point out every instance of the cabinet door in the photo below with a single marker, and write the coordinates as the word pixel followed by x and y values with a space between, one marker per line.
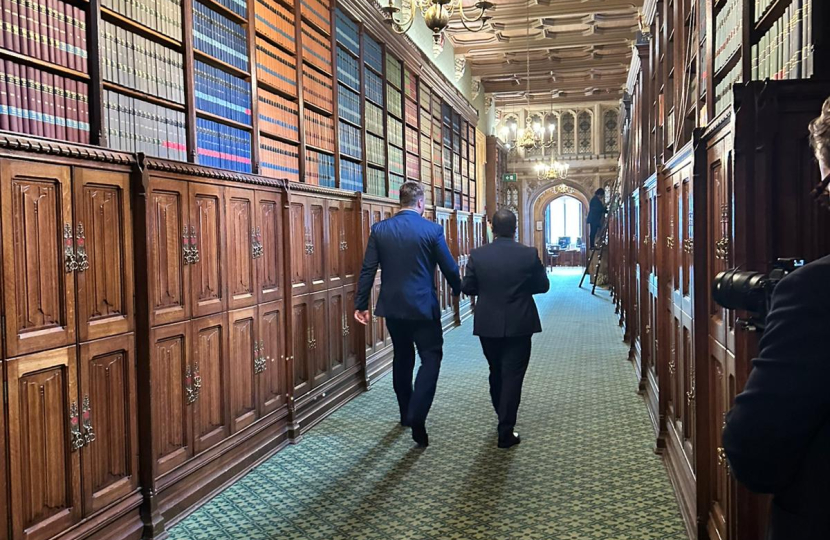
pixel 379 330
pixel 44 437
pixel 4 478
pixel 273 388
pixel 244 348
pixel 351 327
pixel 301 246
pixel 336 332
pixel 317 233
pixel 171 381
pixel 168 245
pixel 334 244
pixel 320 359
pixel 349 250
pixel 241 230
pixel 207 272
pixel 269 238
pixel 301 349
pixel 39 284
pixel 104 236
pixel 109 421
pixel 210 370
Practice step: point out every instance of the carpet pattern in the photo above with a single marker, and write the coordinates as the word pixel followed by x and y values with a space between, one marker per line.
pixel 585 469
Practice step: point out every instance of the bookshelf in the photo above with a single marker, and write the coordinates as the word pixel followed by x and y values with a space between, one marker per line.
pixel 351 159
pixel 394 124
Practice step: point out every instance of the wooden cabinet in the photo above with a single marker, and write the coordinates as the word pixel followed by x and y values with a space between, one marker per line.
pixel 351 328
pixel 207 247
pixel 47 429
pixel 241 234
pixel 350 252
pixel 109 420
pixel 4 476
pixel 336 328
pixel 273 382
pixel 307 218
pixel 319 357
pixel 244 348
pixel 209 371
pixel 301 347
pixel 269 245
pixel 39 253
pixel 335 242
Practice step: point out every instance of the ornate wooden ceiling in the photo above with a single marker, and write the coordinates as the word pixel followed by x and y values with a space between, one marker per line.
pixel 580 50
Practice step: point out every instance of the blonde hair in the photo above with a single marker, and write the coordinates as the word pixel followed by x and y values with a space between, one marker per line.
pixel 820 134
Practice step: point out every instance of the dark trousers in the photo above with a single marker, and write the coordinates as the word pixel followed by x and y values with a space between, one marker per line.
pixel 593 234
pixel 414 403
pixel 508 358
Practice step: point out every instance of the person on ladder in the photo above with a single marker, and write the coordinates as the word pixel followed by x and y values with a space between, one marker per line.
pixel 596 213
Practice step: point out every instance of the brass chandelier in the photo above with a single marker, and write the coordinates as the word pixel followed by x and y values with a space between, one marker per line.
pixel 556 170
pixel 436 15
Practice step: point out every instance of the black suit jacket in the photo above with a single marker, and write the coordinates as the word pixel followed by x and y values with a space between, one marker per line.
pixel 596 212
pixel 777 436
pixel 504 276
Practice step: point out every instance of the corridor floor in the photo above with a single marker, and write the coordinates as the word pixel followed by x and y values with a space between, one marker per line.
pixel 585 469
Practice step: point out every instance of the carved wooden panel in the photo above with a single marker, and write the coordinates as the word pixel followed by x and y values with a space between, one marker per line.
pixel 241 263
pixel 207 271
pixel 39 274
pixel 319 358
pixel 335 238
pixel 379 329
pixel 350 252
pixel 109 421
pixel 4 481
pixel 316 225
pixel 45 434
pixel 273 383
pixel 210 369
pixel 351 328
pixel 300 246
pixel 171 377
pixel 722 489
pixel 104 245
pixel 336 332
pixel 301 350
pixel 367 220
pixel 168 251
pixel 244 347
pixel 270 243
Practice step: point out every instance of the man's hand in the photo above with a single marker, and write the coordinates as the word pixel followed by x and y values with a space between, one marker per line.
pixel 362 316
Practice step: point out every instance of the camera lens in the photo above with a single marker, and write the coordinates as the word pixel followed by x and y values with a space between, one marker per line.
pixel 735 289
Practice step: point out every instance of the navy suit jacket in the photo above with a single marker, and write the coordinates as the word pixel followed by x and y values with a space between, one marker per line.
pixel 407 247
pixel 777 436
pixel 505 275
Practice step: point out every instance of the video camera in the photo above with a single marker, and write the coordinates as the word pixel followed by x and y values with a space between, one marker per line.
pixel 751 291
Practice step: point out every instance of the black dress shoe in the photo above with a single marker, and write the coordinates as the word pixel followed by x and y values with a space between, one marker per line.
pixel 509 441
pixel 419 435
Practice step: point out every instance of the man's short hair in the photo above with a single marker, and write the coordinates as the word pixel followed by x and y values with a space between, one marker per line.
pixel 600 192
pixel 820 134
pixel 504 223
pixel 411 193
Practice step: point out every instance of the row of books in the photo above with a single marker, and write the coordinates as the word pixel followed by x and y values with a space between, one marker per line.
pixel 49 30
pixel 135 62
pixel 373 86
pixel 319 169
pixel 411 113
pixel 786 50
pixel 426 171
pixel 761 7
pixel 278 116
pixel 43 104
pixel 351 141
pixel 317 89
pixel 374 119
pixel 347 32
pixel 351 176
pixel 394 71
pixel 163 16
pixel 318 130
pixel 276 22
pixel 240 7
pixel 394 103
pixel 219 37
pixel 375 150
pixel 222 94
pixel 394 131
pixel 410 85
pixel 396 160
pixel 412 141
pixel 132 125
pixel 437 107
pixel 413 166
pixel 395 182
pixel 348 69
pixel 316 49
pixel 276 68
pixel 221 146
pixel 728 29
pixel 348 104
pixel 376 181
pixel 426 147
pixel 279 160
pixel 424 96
pixel 723 90
pixel 436 130
pixel 372 54
pixel 319 13
pixel 426 122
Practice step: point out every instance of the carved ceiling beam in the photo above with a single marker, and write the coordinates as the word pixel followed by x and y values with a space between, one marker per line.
pixel 614 81
pixel 511 67
pixel 566 8
pixel 553 41
pixel 559 100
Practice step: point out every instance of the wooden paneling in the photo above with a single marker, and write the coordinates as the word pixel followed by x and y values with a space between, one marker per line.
pixel 207 271
pixel 301 246
pixel 335 330
pixel 168 251
pixel 271 244
pixel 316 227
pixel 109 421
pixel 273 381
pixel 104 244
pixel 45 434
pixel 335 239
pixel 319 358
pixel 210 371
pixel 38 253
pixel 301 348
pixel 241 231
pixel 172 385
pixel 4 474
pixel 244 347
pixel 350 251
pixel 351 328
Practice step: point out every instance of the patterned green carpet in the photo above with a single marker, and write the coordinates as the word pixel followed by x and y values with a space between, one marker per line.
pixel 585 469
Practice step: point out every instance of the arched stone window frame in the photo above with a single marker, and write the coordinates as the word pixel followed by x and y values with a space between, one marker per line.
pixel 585 136
pixel 610 130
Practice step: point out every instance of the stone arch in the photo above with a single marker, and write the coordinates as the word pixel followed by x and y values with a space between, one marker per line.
pixel 539 200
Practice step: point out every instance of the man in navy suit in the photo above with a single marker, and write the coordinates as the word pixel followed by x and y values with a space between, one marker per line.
pixel 504 276
pixel 408 247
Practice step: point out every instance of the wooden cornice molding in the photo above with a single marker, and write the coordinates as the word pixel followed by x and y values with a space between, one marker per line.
pixel 378 199
pixel 191 169
pixel 26 143
pixel 369 14
pixel 299 187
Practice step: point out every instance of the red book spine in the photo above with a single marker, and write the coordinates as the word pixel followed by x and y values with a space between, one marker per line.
pixel 83 99
pixel 70 36
pixel 51 31
pixel 59 15
pixel 48 105
pixel 60 107
pixel 4 96
pixel 43 32
pixel 32 46
pixel 71 105
pixel 80 16
pixel 25 103
pixel 37 94
pixel 14 23
pixel 5 42
pixel 12 88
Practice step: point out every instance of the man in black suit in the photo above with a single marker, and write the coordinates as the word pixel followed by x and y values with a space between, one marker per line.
pixel 408 247
pixel 777 435
pixel 596 213
pixel 504 276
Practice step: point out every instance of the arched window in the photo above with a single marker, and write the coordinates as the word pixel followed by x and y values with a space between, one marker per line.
pixel 611 125
pixel 565 220
pixel 568 134
pixel 552 131
pixel 585 135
